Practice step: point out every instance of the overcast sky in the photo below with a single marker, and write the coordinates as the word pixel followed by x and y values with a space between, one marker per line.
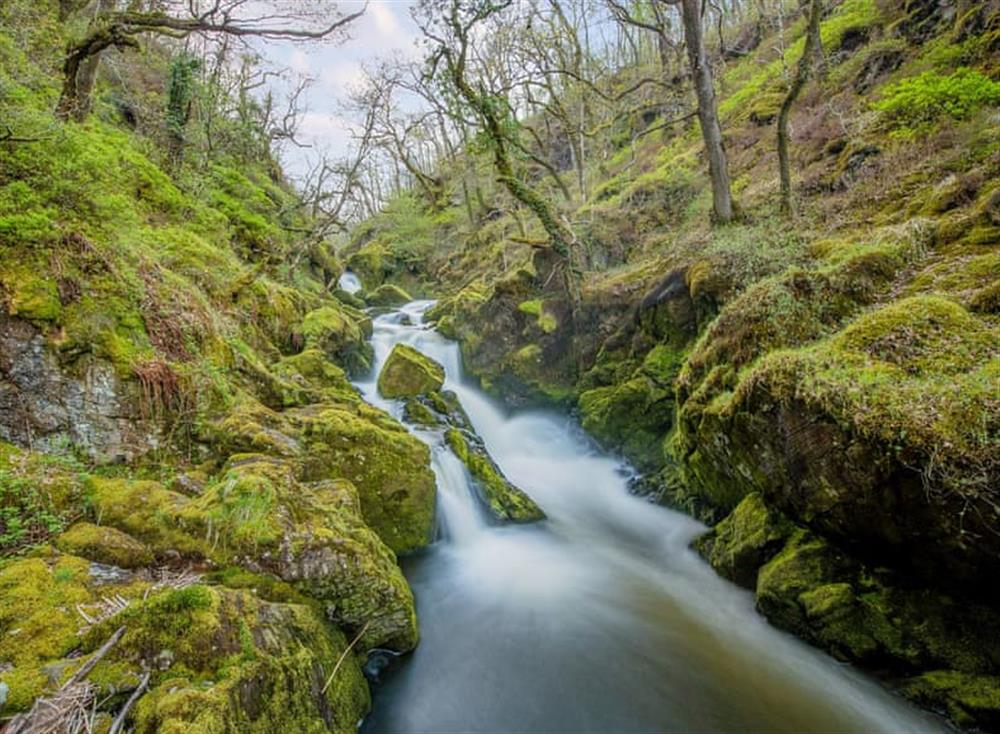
pixel 384 29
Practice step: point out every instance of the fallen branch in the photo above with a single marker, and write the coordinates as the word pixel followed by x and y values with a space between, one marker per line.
pixel 119 722
pixel 88 666
pixel 343 655
pixel 69 710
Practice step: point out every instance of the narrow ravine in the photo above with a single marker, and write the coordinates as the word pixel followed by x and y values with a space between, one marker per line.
pixel 600 619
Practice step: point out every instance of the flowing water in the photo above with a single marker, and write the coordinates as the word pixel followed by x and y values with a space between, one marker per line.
pixel 600 619
pixel 349 282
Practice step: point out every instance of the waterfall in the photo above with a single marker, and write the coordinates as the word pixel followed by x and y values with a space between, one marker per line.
pixel 349 282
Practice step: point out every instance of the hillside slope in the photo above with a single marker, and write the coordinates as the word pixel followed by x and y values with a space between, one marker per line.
pixel 181 452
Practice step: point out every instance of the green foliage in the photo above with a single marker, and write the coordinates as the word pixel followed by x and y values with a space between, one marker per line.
pixel 919 101
pixel 180 90
pixel 27 517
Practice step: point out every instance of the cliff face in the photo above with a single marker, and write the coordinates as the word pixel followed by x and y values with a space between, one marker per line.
pixel 822 386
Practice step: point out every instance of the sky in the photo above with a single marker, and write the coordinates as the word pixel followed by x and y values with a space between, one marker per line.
pixel 385 29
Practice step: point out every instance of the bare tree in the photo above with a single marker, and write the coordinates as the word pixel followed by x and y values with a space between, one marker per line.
pixel 814 10
pixel 708 114
pixel 449 25
pixel 179 19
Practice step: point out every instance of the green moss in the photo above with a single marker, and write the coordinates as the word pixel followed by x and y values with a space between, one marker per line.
pixel 216 650
pixel 920 100
pixel 634 415
pixel 39 623
pixel 146 511
pixel 745 540
pixel 505 501
pixel 29 295
pixel 970 700
pixel 532 307
pixel 104 545
pixel 371 265
pixel 408 373
pixel 389 467
pixel 916 372
pixel 388 294
pixel 337 333
pixel 416 412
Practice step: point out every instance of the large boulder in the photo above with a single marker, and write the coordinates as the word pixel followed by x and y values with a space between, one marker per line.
pixel 408 373
pixel 389 466
pixel 388 294
pixel 339 333
pixel 258 515
pixel 226 661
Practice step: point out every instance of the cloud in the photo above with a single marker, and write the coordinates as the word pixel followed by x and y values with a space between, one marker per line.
pixel 385 21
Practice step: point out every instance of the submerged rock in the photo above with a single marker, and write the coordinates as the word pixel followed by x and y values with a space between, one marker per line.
pixel 408 373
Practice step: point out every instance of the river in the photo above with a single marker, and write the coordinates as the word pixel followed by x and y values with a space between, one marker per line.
pixel 599 619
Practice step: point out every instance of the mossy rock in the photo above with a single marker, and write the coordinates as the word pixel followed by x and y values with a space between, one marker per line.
pixel 340 335
pixel 970 700
pixel 389 467
pixel 634 415
pixel 414 411
pixel 407 373
pixel 258 514
pixel 312 536
pixel 388 294
pixel 104 544
pixel 872 616
pixel 506 502
pixel 39 622
pixel 745 540
pixel 226 661
pixel 148 512
pixel 372 263
pixel 349 299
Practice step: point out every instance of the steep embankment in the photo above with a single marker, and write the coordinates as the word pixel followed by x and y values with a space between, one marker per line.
pixel 825 386
pixel 181 452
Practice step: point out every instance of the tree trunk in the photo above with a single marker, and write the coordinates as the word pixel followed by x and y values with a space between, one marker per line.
pixel 708 115
pixel 801 77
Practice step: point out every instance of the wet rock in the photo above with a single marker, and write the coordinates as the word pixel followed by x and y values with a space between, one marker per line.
pixel 505 501
pixel 745 540
pixel 970 700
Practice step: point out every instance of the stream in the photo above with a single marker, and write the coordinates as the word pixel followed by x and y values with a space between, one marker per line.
pixel 599 619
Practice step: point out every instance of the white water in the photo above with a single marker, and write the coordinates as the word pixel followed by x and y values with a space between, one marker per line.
pixel 349 282
pixel 600 619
